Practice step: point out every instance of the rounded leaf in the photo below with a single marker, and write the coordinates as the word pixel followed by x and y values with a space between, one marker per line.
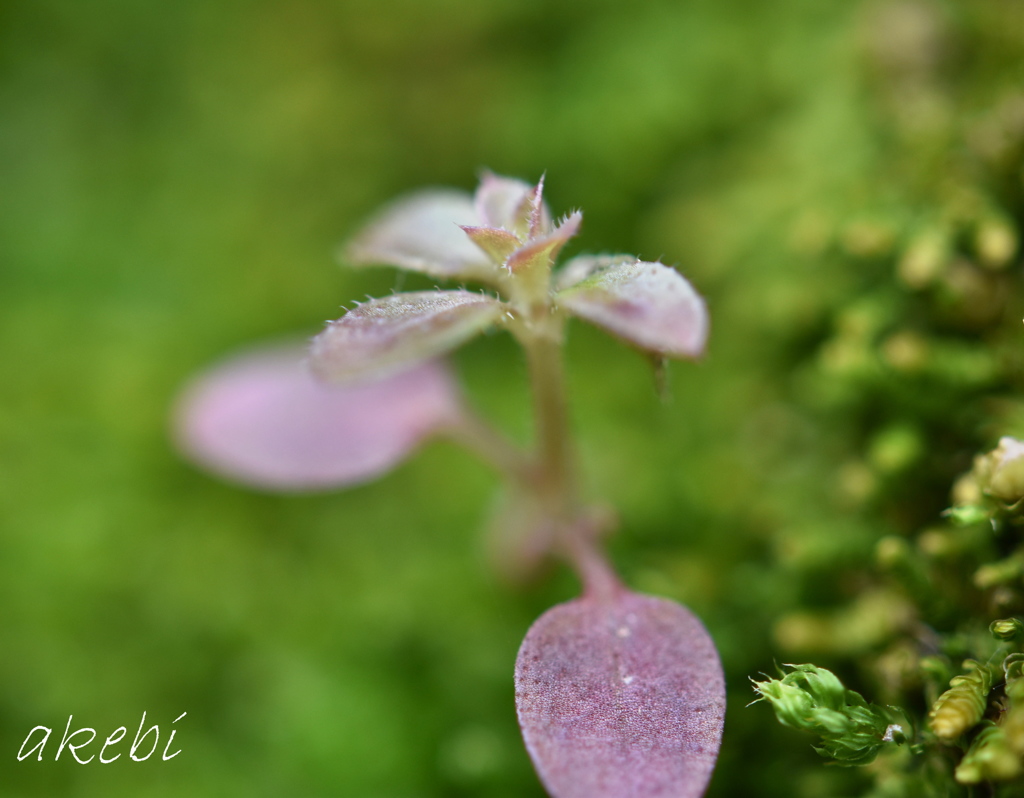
pixel 264 420
pixel 422 232
pixel 578 269
pixel 384 335
pixel 649 305
pixel 621 696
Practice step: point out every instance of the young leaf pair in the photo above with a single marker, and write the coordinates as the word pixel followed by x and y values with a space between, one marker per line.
pixel 503 238
pixel 618 694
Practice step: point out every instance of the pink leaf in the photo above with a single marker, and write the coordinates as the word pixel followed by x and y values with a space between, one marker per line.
pixel 422 232
pixel 263 420
pixel 581 267
pixel 539 218
pixel 621 696
pixel 389 334
pixel 511 204
pixel 650 305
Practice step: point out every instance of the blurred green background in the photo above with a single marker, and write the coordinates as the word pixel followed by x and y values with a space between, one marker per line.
pixel 841 180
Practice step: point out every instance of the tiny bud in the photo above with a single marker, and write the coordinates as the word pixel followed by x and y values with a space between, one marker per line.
pixel 891 551
pixel 975 297
pixel 867 239
pixel 990 758
pixel 1013 726
pixel 845 357
pixel 801 631
pixel 895 448
pixel 856 482
pixel 995 241
pixel 924 260
pixel 894 734
pixel 935 669
pixel 861 320
pixel 936 543
pixel 966 515
pixel 1001 471
pixel 961 707
pixel 1006 629
pixel 1003 598
pixel 997 573
pixel 896 668
pixel 811 233
pixel 966 491
pixel 1013 671
pixel 905 351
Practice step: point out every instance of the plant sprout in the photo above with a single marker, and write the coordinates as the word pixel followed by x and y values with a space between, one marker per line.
pixel 619 695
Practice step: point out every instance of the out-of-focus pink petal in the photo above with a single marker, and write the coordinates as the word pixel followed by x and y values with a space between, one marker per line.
pixel 510 204
pixel 265 421
pixel 388 334
pixel 422 232
pixel 650 305
pixel 621 696
pixel 498 200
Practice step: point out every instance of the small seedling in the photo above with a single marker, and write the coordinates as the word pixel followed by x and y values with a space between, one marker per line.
pixel 619 695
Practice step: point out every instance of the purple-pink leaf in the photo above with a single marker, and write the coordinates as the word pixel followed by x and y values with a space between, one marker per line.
pixel 539 218
pixel 263 420
pixel 581 267
pixel 650 305
pixel 422 232
pixel 389 334
pixel 621 696
pixel 512 205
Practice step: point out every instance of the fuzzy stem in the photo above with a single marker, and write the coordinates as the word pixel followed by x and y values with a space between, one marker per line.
pixel 556 482
pixel 599 579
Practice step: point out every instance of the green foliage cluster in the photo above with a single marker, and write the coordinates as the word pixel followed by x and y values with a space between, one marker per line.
pixel 813 700
pixel 922 371
pixel 841 181
pixel 967 727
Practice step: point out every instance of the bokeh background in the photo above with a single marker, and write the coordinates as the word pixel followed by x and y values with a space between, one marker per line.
pixel 841 180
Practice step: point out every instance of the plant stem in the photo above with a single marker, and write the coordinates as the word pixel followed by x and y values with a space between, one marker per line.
pixel 599 579
pixel 555 483
pixel 555 476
